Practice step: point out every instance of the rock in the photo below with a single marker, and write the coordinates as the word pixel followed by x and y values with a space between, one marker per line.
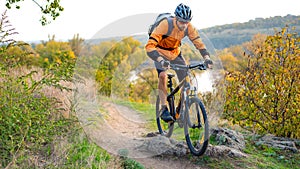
pixel 228 138
pixel 222 150
pixel 231 144
pixel 161 145
pixel 278 142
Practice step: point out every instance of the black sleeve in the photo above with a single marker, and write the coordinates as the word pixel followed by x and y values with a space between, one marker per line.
pixel 204 52
pixel 153 55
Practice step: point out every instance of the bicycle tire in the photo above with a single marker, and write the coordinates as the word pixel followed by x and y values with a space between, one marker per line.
pixel 196 135
pixel 165 129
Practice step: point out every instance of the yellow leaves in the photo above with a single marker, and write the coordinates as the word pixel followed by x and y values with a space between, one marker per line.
pixel 229 62
pixel 230 78
pixel 54 49
pixel 58 61
pixel 72 55
pixel 267 90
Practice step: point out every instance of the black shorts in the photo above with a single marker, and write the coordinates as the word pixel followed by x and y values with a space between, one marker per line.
pixel 179 60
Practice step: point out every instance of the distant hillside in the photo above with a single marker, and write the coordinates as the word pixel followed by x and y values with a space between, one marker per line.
pixel 224 36
pixel 233 34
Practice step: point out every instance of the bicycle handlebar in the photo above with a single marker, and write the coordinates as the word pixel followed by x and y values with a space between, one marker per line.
pixel 200 66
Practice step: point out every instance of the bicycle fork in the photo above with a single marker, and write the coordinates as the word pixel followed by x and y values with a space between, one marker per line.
pixel 184 100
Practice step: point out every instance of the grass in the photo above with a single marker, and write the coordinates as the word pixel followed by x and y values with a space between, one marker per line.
pixel 147 111
pixel 131 164
pixel 268 157
pixel 76 151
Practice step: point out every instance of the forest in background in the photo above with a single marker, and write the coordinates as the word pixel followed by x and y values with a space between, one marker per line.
pixel 224 36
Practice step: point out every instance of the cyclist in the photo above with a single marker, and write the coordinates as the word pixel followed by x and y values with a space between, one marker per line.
pixel 165 50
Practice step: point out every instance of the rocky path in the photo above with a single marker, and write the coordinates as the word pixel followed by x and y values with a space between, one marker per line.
pixel 122 131
pixel 153 152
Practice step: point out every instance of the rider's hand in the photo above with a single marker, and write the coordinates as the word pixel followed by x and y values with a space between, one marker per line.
pixel 165 63
pixel 208 63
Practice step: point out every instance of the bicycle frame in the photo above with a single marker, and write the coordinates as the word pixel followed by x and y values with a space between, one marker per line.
pixel 185 83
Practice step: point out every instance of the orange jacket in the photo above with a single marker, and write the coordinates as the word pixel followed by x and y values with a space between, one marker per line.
pixel 170 47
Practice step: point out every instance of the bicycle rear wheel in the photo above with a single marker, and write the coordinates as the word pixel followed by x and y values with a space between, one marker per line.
pixel 196 128
pixel 165 129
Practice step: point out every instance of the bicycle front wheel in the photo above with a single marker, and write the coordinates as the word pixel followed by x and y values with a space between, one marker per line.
pixel 165 129
pixel 196 127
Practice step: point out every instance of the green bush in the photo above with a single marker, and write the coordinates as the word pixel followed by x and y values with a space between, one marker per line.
pixel 29 120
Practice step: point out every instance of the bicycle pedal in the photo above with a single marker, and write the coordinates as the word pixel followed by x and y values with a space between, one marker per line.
pixel 167 119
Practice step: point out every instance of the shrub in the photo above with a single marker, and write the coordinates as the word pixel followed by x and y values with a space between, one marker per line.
pixel 265 97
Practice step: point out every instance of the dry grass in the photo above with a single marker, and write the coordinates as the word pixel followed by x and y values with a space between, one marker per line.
pixel 64 98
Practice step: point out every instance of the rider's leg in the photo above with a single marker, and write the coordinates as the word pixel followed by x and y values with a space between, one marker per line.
pixel 162 88
pixel 162 83
pixel 162 92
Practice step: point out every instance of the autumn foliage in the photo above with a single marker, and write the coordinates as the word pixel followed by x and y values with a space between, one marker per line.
pixel 265 96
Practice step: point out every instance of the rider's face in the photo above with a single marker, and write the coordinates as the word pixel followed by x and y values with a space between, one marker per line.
pixel 182 25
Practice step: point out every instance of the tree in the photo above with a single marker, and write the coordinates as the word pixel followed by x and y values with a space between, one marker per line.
pixel 110 62
pixel 256 42
pixel 126 72
pixel 23 53
pixel 229 62
pixel 266 96
pixel 55 52
pixel 233 58
pixel 57 57
pixel 141 88
pixel 50 9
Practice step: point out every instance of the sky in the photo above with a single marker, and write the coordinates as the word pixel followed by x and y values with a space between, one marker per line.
pixel 89 17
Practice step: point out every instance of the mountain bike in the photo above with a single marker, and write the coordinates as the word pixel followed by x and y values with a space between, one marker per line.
pixel 190 112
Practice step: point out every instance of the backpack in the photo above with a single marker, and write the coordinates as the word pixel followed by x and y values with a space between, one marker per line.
pixel 160 18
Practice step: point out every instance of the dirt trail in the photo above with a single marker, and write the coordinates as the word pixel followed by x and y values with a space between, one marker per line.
pixel 121 130
pixel 130 123
pixel 124 120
